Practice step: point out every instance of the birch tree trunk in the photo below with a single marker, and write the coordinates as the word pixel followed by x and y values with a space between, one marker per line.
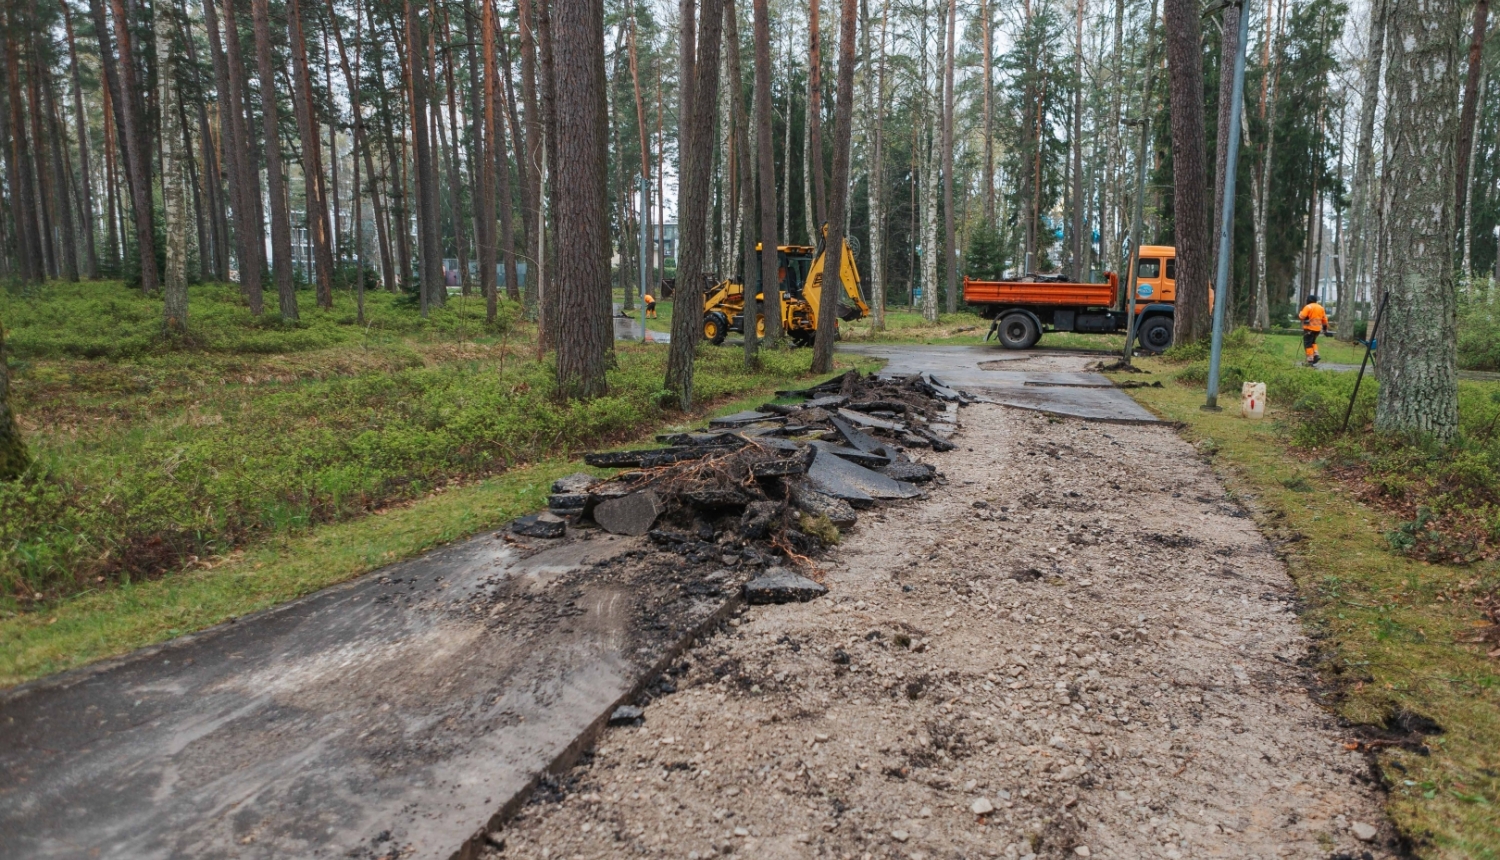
pixel 1418 348
pixel 930 189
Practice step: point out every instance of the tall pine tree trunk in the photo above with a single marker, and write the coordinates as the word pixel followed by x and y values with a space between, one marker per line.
pixel 1228 49
pixel 843 127
pixel 488 151
pixel 19 171
pixel 85 184
pixel 1470 109
pixel 582 208
pixel 815 121
pixel 133 137
pixel 234 138
pixel 312 157
pixel 766 155
pixel 700 90
pixel 1190 188
pixel 429 243
pixel 281 222
pixel 1418 348
pixel 950 241
pixel 877 178
pixel 174 198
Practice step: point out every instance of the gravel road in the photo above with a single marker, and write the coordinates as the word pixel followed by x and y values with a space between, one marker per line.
pixel 1078 646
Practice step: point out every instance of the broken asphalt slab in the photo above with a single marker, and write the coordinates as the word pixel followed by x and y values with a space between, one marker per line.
pixel 399 712
pixel 1071 393
pixel 832 475
pixel 779 585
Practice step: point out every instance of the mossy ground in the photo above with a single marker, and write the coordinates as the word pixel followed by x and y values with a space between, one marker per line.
pixel 1392 629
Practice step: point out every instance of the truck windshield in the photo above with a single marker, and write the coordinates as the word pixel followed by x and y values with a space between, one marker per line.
pixel 1148 268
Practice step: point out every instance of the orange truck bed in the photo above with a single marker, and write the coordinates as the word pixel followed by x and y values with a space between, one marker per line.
pixel 1043 293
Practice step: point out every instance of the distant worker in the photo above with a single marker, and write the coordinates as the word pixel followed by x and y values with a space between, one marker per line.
pixel 1314 322
pixel 650 306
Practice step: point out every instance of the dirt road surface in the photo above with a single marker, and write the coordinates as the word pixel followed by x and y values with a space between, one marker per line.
pixel 1078 646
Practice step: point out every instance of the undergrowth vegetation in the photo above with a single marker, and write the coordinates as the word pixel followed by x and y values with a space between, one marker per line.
pixel 1479 327
pixel 1448 497
pixel 156 459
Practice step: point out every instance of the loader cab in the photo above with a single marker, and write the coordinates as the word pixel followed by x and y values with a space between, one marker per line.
pixel 1156 275
pixel 793 262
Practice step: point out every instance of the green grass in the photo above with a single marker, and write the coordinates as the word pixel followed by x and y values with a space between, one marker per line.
pixel 160 459
pixel 115 620
pixel 1390 626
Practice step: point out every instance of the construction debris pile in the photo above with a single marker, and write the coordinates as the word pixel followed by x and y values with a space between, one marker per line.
pixel 771 486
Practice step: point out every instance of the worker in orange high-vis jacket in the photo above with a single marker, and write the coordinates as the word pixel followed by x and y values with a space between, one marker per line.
pixel 650 302
pixel 1314 322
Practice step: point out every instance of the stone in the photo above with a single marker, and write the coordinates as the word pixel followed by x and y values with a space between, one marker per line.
pixel 545 525
pixel 626 715
pixel 860 487
pixel 900 835
pixel 570 502
pixel 816 503
pixel 628 515
pixel 982 806
pixel 759 519
pixel 902 469
pixel 1364 832
pixel 717 499
pixel 832 401
pixel 779 585
pixel 1083 851
pixel 578 482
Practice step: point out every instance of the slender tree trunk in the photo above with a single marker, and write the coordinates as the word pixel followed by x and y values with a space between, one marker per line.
pixel 1260 319
pixel 930 160
pixel 877 186
pixel 19 174
pixel 700 91
pixel 507 217
pixel 67 245
pixel 950 241
pixel 42 162
pixel 1228 50
pixel 1467 236
pixel 312 156
pixel 1470 109
pixel 85 184
pixel 988 38
pixel 235 138
pixel 1080 263
pixel 765 153
pixel 1365 152
pixel 1109 244
pixel 133 135
pixel 13 456
pixel 429 243
pixel 174 198
pixel 281 223
pixel 111 197
pixel 547 258
pixel 1418 348
pixel 746 197
pixel 645 143
pixel 815 120
pixel 455 183
pixel 488 151
pixel 528 149
pixel 1185 67
pixel 843 126
pixel 582 208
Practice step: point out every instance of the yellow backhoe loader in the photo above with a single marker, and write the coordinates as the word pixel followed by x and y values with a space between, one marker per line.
pixel 800 269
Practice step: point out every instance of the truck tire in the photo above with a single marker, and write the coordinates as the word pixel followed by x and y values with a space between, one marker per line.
pixel 1018 331
pixel 715 327
pixel 1155 334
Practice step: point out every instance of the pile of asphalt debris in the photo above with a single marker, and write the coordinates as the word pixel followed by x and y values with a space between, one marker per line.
pixel 773 485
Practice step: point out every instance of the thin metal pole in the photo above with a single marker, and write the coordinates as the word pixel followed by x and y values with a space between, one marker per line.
pixel 1140 186
pixel 1226 215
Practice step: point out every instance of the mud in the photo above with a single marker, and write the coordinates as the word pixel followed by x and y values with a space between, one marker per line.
pixel 1077 646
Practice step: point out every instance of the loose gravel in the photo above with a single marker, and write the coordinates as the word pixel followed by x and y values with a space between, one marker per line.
pixel 1078 646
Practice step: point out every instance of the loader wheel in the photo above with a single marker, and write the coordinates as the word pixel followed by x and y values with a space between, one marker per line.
pixel 1018 331
pixel 803 338
pixel 1155 334
pixel 715 327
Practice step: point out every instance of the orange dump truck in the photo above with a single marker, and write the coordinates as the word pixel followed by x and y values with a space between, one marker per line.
pixel 1023 310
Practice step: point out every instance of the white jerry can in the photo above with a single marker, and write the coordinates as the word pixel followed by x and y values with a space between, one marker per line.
pixel 1253 400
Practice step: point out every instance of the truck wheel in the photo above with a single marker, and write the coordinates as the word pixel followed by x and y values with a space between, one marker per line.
pixel 1018 331
pixel 803 338
pixel 715 327
pixel 1155 334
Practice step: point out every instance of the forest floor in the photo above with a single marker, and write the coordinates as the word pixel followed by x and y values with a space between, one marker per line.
pixel 1080 645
